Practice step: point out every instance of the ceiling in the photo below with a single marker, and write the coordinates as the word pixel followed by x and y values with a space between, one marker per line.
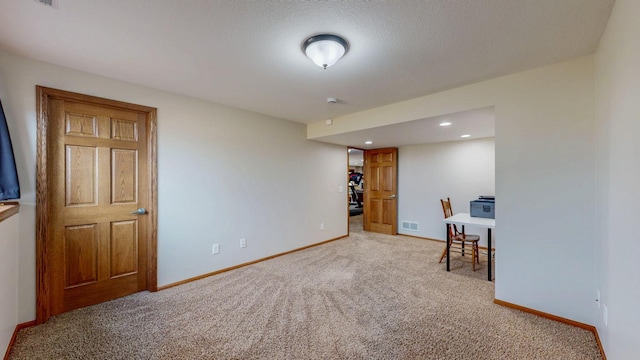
pixel 247 54
pixel 356 157
pixel 478 123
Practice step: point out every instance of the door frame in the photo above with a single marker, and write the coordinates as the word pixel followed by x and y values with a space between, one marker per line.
pixel 43 258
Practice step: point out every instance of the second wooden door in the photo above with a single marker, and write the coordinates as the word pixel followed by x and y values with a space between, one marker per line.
pixel 380 183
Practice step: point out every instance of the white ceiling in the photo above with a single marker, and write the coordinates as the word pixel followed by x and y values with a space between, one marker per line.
pixel 247 54
pixel 479 123
pixel 356 157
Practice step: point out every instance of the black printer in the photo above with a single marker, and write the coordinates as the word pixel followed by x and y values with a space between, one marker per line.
pixel 484 207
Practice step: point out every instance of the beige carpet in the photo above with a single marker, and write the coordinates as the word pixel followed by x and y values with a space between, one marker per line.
pixel 364 297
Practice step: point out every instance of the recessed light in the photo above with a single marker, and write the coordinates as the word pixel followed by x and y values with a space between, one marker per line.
pixel 445 123
pixel 465 136
pixel 368 142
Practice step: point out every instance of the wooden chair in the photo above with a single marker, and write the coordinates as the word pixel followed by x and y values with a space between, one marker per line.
pixel 458 240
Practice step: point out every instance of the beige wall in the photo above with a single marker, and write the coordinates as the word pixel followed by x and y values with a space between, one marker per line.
pixel 8 279
pixel 544 179
pixel 618 174
pixel 461 170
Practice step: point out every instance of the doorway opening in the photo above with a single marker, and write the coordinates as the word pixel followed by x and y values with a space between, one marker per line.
pixel 355 186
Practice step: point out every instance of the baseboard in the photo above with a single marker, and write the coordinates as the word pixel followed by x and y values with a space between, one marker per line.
pixel 441 241
pixel 422 238
pixel 555 318
pixel 15 334
pixel 164 287
pixel 595 332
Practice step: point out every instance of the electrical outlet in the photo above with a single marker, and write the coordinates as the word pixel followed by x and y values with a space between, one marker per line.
pixel 605 314
pixel 598 298
pixel 215 249
pixel 321 226
pixel 243 243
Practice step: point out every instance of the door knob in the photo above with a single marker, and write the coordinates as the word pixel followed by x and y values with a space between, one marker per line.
pixel 392 196
pixel 141 211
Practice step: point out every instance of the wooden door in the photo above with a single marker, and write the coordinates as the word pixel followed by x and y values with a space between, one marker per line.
pixel 380 184
pixel 97 246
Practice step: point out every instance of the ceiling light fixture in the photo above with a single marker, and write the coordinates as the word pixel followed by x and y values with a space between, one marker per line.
pixel 325 49
pixel 445 123
pixel 368 142
pixel 465 136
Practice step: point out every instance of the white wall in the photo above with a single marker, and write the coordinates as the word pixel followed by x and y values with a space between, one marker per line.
pixel 618 171
pixel 224 174
pixel 545 178
pixel 8 279
pixel 461 170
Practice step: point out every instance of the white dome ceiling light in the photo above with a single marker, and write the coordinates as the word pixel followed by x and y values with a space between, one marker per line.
pixel 325 49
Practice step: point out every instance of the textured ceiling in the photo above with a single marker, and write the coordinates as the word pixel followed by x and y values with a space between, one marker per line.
pixel 247 54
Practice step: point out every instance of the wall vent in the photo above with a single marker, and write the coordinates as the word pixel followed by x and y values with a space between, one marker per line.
pixel 410 225
pixel 50 3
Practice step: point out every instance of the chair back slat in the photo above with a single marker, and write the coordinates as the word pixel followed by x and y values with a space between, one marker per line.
pixel 448 212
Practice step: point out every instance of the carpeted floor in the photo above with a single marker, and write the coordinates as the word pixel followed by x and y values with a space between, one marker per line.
pixel 368 296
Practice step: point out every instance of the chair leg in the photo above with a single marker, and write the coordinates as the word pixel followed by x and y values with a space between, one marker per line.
pixel 444 252
pixel 473 257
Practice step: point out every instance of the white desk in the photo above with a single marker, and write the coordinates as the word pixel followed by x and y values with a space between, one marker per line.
pixel 466 219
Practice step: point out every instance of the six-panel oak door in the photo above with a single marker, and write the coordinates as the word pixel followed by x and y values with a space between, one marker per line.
pixel 380 183
pixel 98 178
